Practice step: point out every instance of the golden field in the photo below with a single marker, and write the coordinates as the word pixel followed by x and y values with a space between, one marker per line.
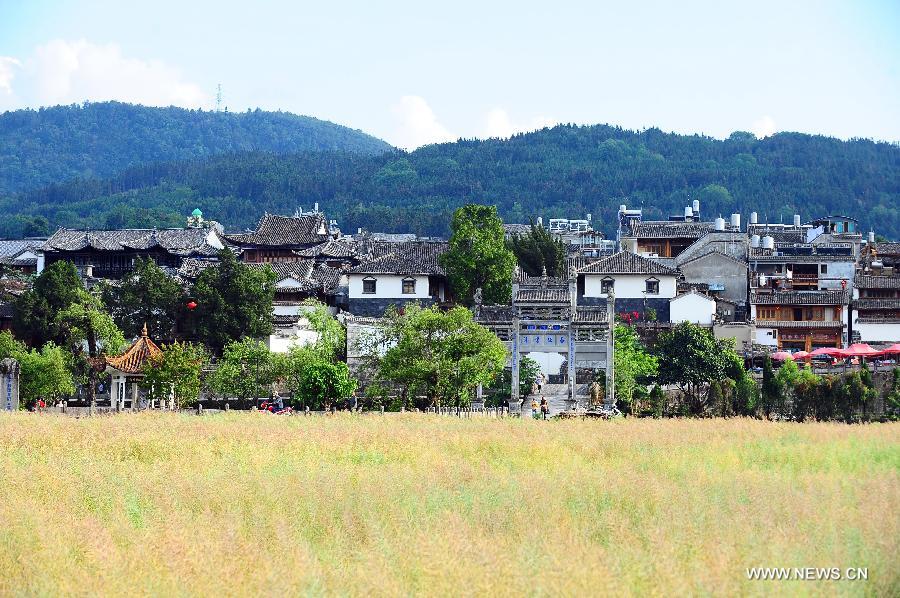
pixel 250 504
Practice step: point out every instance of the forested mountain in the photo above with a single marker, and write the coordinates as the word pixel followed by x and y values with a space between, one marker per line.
pixel 52 145
pixel 566 171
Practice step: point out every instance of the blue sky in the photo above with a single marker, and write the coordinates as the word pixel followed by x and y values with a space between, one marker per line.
pixel 419 72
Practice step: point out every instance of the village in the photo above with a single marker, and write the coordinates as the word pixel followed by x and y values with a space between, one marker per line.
pixel 819 293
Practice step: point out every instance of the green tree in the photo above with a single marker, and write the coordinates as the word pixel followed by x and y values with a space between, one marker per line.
pixel 323 383
pixel 633 365
pixel 43 374
pixel 690 357
pixel 538 252
pixel 657 401
pixel 441 355
pixel 147 295
pixel 89 332
pixel 746 395
pixel 36 311
pixel 772 392
pixel 478 256
pixel 807 393
pixel 175 372
pixel 246 370
pixel 502 388
pixel 233 301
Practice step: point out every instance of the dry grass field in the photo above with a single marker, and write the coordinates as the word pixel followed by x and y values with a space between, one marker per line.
pixel 252 504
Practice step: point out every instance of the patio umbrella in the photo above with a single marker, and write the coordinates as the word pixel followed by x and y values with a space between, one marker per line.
pixel 781 356
pixel 827 352
pixel 892 350
pixel 860 350
pixel 801 355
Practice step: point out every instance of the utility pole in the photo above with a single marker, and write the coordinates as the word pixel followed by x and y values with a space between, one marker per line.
pixel 219 97
pixel 611 352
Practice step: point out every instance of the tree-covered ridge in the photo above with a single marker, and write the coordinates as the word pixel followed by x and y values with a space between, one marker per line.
pixel 566 171
pixel 52 145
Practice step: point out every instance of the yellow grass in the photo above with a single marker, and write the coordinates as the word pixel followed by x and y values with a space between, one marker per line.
pixel 250 504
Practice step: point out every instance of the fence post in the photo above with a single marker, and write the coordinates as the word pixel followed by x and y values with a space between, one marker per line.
pixel 306 412
pixel 199 408
pixel 382 410
pixel 226 407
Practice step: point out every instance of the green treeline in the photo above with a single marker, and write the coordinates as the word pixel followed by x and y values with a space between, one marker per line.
pixel 566 171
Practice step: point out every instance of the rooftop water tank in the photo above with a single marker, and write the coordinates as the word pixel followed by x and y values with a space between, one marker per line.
pixel 720 223
pixel 768 242
pixel 753 218
pixel 688 212
pixel 696 206
pixel 797 220
pixel 754 241
pixel 872 237
pixel 736 221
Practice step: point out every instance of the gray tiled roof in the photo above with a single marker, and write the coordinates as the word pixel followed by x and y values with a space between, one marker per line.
pixel 12 247
pixel 799 324
pixel 182 241
pixel 626 262
pixel 799 298
pixel 876 303
pixel 310 275
pixel 496 314
pixel 868 281
pixel 413 257
pixel 586 313
pixel 669 230
pixel 887 248
pixel 329 249
pixel 759 254
pixel 780 234
pixel 543 295
pixel 274 230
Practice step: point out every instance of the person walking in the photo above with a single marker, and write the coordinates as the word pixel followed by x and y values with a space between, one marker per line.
pixel 545 408
pixel 534 408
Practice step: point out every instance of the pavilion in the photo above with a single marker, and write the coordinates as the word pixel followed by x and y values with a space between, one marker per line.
pixel 127 370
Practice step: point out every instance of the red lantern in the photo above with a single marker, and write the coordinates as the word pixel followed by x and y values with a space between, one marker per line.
pixel 191 305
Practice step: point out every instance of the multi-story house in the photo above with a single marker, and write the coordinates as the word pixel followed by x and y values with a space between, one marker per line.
pixel 640 284
pixel 281 238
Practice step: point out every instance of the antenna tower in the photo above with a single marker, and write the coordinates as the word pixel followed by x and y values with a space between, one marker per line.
pixel 219 97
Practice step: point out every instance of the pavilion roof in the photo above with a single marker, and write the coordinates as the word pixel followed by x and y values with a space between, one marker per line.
pixel 133 359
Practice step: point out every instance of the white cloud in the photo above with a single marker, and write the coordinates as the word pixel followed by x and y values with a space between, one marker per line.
pixel 65 72
pixel 7 73
pixel 499 124
pixel 417 124
pixel 763 127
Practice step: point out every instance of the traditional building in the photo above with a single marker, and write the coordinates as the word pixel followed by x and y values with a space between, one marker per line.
pixel 397 274
pixel 112 253
pixel 127 371
pixel 799 319
pixel 279 238
pixel 640 284
pixel 21 255
pixel 876 307
pixel 694 307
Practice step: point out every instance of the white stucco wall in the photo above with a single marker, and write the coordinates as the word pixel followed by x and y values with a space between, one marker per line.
pixel 629 286
pixel 837 271
pixel 693 308
pixel 886 332
pixel 766 336
pixel 387 286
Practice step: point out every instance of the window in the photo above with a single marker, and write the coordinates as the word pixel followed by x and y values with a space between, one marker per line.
pixel 824 268
pixel 766 313
pixel 606 285
pixel 409 286
pixel 369 285
pixel 653 286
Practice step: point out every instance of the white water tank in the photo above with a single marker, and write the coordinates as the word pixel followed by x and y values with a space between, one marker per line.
pixel 754 241
pixel 622 208
pixel 871 237
pixel 797 220
pixel 696 206
pixel 753 218
pixel 736 221
pixel 688 213
pixel 720 223
pixel 768 242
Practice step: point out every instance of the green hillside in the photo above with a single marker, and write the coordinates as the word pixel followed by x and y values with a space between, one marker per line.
pixel 566 171
pixel 51 145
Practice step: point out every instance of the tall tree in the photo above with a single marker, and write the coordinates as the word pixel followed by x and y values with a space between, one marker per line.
pixel 54 290
pixel 246 370
pixel 478 256
pixel 177 371
pixel 146 296
pixel 441 355
pixel 633 364
pixel 233 302
pixel 538 251
pixel 43 374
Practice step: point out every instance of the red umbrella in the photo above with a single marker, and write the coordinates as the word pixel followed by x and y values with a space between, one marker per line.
pixel 860 350
pixel 827 351
pixel 781 356
pixel 801 355
pixel 892 350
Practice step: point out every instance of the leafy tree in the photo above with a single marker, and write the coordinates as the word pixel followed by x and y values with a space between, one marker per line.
pixel 807 393
pixel 43 374
pixel 441 355
pixel 772 392
pixel 175 372
pixel 147 295
pixel 690 357
pixel 892 400
pixel 478 256
pixel 746 395
pixel 331 342
pixel 657 401
pixel 538 251
pixel 86 325
pixel 870 394
pixel 36 311
pixel 632 364
pixel 323 383
pixel 233 301
pixel 247 369
pixel 500 394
